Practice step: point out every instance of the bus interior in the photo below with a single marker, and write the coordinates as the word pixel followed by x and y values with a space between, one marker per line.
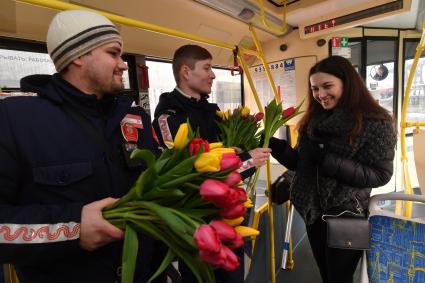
pixel 381 38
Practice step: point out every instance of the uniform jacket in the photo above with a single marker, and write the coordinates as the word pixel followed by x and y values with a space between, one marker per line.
pixel 174 109
pixel 50 168
pixel 344 179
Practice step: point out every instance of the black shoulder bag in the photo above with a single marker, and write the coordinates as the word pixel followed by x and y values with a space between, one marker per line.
pixel 348 230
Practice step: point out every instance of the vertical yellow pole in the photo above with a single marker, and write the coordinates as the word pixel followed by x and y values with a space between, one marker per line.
pixel 270 204
pixel 404 160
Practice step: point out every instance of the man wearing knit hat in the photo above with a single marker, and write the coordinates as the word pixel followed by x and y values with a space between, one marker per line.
pixel 64 157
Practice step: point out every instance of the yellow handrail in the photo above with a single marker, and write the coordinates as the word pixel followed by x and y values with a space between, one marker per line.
pixel 279 31
pixel 407 186
pixel 59 5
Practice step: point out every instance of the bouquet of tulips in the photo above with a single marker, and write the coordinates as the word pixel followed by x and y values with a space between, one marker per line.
pixel 189 198
pixel 239 128
pixel 276 117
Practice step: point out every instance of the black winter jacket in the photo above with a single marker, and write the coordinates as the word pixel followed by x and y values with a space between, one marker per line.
pixel 49 169
pixel 344 177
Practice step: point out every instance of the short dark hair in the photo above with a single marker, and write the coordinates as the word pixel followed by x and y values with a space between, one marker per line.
pixel 188 55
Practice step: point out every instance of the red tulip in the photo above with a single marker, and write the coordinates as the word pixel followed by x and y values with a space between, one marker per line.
pixel 196 144
pixel 233 212
pixel 237 242
pixel 206 239
pixel 217 259
pixel 224 231
pixel 214 191
pixel 232 261
pixel 259 116
pixel 233 179
pixel 241 194
pixel 288 112
pixel 230 161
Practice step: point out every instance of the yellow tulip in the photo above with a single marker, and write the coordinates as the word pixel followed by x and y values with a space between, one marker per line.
pixel 222 150
pixel 234 222
pixel 245 112
pixel 220 114
pixel 214 145
pixel 180 140
pixel 245 231
pixel 248 203
pixel 207 162
pixel 229 113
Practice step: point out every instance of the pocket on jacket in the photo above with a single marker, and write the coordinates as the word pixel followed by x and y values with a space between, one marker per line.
pixel 63 174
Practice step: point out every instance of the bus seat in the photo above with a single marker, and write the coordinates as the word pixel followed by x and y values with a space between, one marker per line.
pixel 419 153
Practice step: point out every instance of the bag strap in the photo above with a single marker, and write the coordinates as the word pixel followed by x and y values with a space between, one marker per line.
pixel 359 213
pixel 72 110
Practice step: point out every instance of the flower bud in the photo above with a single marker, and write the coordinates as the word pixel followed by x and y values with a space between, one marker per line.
pixel 220 114
pixel 233 179
pixel 233 212
pixel 245 231
pixel 207 162
pixel 217 259
pixel 234 222
pixel 231 262
pixel 230 161
pixel 206 238
pixel 237 242
pixel 259 116
pixel 224 231
pixel 214 191
pixel 288 112
pixel 245 112
pixel 196 144
pixel 180 139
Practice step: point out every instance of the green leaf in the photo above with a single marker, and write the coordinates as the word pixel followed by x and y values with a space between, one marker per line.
pixel 169 257
pixel 182 168
pixel 182 228
pixel 160 193
pixel 180 180
pixel 144 154
pixel 129 254
pixel 145 181
pixel 198 267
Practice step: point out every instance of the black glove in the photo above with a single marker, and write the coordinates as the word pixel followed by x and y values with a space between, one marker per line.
pixel 315 150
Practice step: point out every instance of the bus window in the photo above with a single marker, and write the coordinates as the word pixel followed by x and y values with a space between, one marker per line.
pixel 416 108
pixel 380 64
pixel 15 65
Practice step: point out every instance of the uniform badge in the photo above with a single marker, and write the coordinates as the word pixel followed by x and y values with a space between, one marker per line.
pixel 129 132
pixel 134 120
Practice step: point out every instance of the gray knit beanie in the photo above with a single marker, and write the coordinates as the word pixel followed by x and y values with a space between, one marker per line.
pixel 74 33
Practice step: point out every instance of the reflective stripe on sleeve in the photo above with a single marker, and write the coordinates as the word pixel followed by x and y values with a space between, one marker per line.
pixel 165 129
pixel 38 233
pixel 246 165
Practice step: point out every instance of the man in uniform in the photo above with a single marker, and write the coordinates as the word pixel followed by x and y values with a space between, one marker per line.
pixel 192 68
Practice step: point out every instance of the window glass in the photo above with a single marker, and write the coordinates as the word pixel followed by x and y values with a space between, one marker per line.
pixel 226 89
pixel 15 65
pixel 416 106
pixel 380 67
pixel 380 82
pixel 380 62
